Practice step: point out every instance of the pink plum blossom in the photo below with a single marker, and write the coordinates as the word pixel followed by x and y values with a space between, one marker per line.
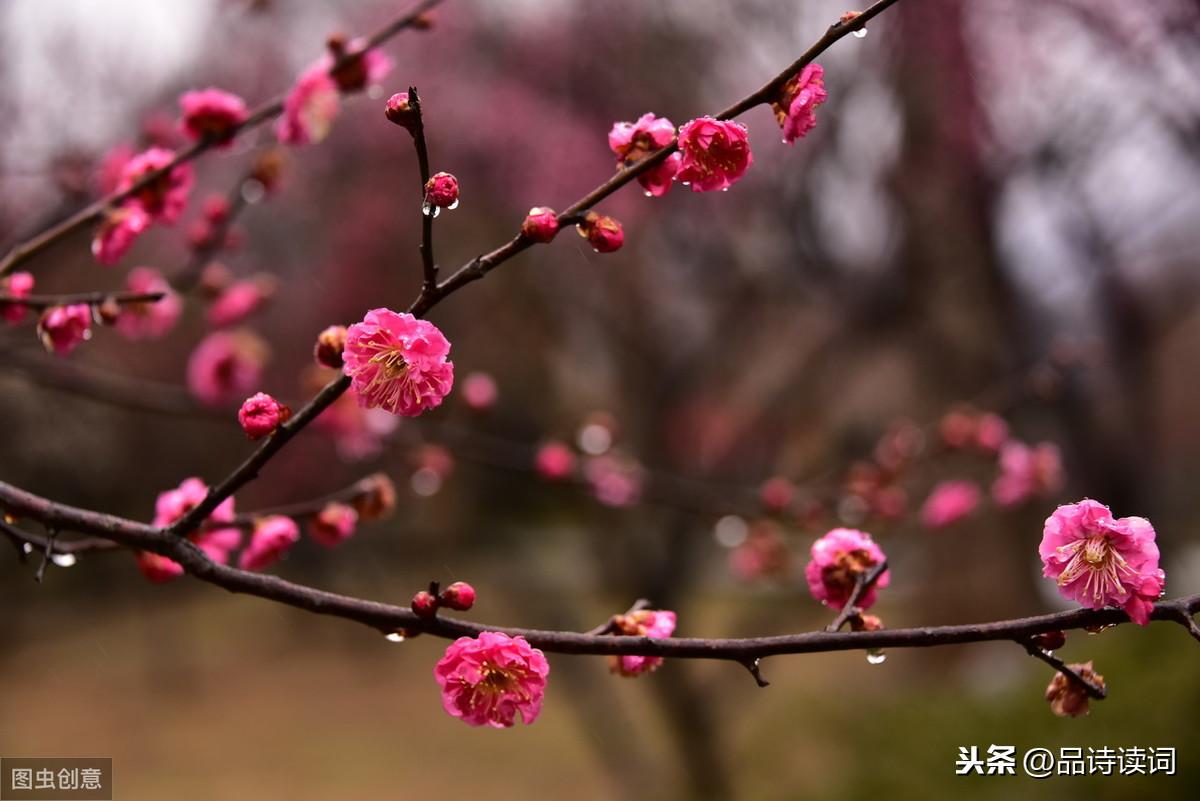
pixel 656 624
pixel 1026 472
pixel 62 328
pixel 225 366
pixel 399 110
pixel 110 167
pixel 796 109
pixel 1069 698
pixel 117 232
pixel 309 108
pixel 334 524
pixel 838 559
pixel 148 320
pixel 554 460
pixel 239 300
pixel 1099 561
pixel 479 391
pixel 488 680
pixel 634 141
pixel 368 69
pixel 17 285
pixel 215 540
pixel 273 536
pixel 949 502
pixel 398 363
pixel 164 198
pixel 776 493
pixel 212 114
pixel 716 154
pixel 158 569
pixel 261 415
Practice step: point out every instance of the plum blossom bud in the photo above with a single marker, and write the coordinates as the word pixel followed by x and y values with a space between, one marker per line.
pixel 441 190
pixel 261 414
pixel 776 494
pixel 273 536
pixel 108 311
pixel 334 524
pixel 479 391
pixel 1068 697
pixel 400 111
pixel 459 596
pixel 602 232
pixel 424 604
pixel 541 224
pixel 377 499
pixel 330 344
pixel 866 623
pixel 555 461
pixel 17 285
pixel 212 115
pixel 62 328
pixel 117 232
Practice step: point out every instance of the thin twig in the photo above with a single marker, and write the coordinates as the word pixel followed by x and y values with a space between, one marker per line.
pixel 1093 689
pixel 73 298
pixel 430 269
pixel 861 587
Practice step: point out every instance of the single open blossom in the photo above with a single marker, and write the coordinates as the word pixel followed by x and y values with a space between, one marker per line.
pixel 716 154
pixel 62 328
pixel 17 285
pixel 838 559
pixel 334 524
pixel 441 190
pixel 117 232
pixel 148 320
pixel 212 114
pixel 795 110
pixel 1026 472
pixel 554 461
pixel 225 366
pixel 398 363
pixel 1100 561
pixel 654 623
pixel 399 110
pixel 540 225
pixel 602 232
pixel 215 540
pixel 261 415
pixel 164 198
pixel 273 536
pixel 479 391
pixel 949 502
pixel 309 108
pixel 488 680
pixel 239 300
pixel 634 141
pixel 1068 698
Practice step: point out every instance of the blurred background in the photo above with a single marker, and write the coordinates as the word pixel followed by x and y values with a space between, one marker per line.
pixel 998 207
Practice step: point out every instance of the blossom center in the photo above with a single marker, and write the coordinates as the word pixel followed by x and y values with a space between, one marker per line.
pixel 1099 563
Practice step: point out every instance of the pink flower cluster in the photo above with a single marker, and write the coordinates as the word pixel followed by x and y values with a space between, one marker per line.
pixel 398 363
pixel 795 109
pixel 838 559
pixel 656 624
pixel 212 115
pixel 314 100
pixel 1100 561
pixel 163 200
pixel 215 540
pixel 490 679
pixel 634 141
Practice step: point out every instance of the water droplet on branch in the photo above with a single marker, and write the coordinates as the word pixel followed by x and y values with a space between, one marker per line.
pixel 63 559
pixel 861 33
pixel 876 657
pixel 430 210
pixel 395 636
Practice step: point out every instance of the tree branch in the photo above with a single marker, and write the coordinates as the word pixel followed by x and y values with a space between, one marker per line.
pixel 862 585
pixel 418 134
pixel 71 298
pixel 1093 689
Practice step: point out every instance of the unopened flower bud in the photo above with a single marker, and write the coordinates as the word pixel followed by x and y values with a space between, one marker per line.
pixel 400 111
pixel 62 328
pixel 541 224
pixel 602 232
pixel 261 415
pixel 108 311
pixel 377 499
pixel 424 604
pixel 1068 697
pixel 459 596
pixel 866 623
pixel 268 169
pixel 441 190
pixel 330 344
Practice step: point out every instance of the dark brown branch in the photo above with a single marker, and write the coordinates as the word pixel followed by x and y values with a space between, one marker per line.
pixel 418 134
pixel 862 585
pixel 1092 688
pixel 72 298
pixel 387 618
pixel 24 251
